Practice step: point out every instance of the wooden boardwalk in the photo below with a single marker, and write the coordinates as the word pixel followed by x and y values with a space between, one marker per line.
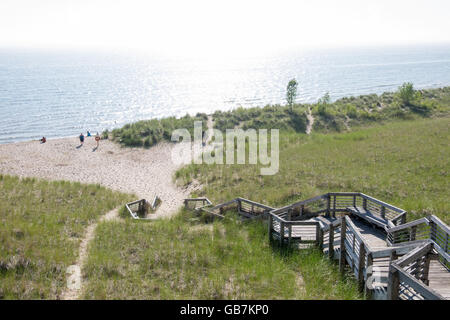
pixel 390 259
pixel 439 279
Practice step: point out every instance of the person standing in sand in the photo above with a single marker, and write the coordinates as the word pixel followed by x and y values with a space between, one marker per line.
pixel 97 138
pixel 81 139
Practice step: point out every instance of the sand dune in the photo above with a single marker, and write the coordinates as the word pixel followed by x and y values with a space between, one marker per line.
pixel 144 172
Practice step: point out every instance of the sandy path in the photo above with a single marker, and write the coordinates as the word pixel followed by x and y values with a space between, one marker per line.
pixel 74 279
pixel 144 172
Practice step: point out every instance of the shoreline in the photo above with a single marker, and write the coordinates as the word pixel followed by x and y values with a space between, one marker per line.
pixel 432 88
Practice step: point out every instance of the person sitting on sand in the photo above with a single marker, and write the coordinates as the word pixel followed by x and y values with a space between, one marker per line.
pixel 43 140
pixel 97 138
pixel 88 133
pixel 81 138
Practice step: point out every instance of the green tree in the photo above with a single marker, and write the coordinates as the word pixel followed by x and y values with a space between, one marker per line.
pixel 291 92
pixel 406 93
pixel 322 104
pixel 325 100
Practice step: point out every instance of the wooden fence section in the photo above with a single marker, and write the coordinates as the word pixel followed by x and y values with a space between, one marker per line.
pixel 366 207
pixel 138 209
pixel 410 277
pixel 422 230
pixel 196 203
pixel 247 209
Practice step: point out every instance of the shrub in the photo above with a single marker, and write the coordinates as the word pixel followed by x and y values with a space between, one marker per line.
pixel 406 93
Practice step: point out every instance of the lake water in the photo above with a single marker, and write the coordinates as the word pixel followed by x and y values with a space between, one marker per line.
pixel 59 94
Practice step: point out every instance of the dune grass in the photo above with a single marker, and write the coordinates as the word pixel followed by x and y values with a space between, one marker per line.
pixel 42 223
pixel 184 258
pixel 404 163
pixel 340 115
pixel 329 116
pixel 147 133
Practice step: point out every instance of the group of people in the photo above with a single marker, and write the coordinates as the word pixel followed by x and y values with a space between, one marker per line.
pixel 97 138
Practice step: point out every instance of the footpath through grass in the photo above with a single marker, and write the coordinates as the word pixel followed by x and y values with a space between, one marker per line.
pixel 41 224
pixel 404 163
pixel 184 258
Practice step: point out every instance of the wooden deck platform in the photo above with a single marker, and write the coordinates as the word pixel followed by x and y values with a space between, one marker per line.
pixel 439 279
pixel 374 237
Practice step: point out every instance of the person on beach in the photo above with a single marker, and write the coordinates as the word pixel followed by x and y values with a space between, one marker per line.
pixel 88 133
pixel 81 139
pixel 43 140
pixel 97 138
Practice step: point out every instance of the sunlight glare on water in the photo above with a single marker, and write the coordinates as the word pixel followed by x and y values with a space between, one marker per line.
pixel 59 94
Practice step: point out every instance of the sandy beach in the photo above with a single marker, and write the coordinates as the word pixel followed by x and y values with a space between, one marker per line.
pixel 144 172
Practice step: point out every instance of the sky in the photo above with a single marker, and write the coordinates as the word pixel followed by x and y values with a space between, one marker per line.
pixel 226 28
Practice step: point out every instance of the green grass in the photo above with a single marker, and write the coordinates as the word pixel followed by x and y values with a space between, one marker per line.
pixel 340 115
pixel 147 133
pixel 41 226
pixel 276 117
pixel 337 116
pixel 404 163
pixel 183 258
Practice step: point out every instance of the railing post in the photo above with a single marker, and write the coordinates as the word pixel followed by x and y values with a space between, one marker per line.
pixel 185 203
pixel 361 265
pixel 239 206
pixel 446 243
pixel 270 227
pixel 354 201
pixel 433 231
pixel 393 283
pixel 342 253
pixel 331 242
pixel 281 232
pixel 290 233
pixel 328 205
pixel 320 238
pixel 412 236
pixel 426 268
pixel 369 273
pixel 383 212
pixel 334 207
pixel 365 203
pixel 317 233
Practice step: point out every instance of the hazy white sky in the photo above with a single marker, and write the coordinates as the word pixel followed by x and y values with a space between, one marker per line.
pixel 228 27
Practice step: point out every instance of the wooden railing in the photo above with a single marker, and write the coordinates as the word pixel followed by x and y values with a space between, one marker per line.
pixel 408 276
pixel 246 208
pixel 299 210
pixel 137 209
pixel 196 203
pixel 429 228
pixel 286 232
pixel 329 239
pixel 369 208
pixel 353 251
